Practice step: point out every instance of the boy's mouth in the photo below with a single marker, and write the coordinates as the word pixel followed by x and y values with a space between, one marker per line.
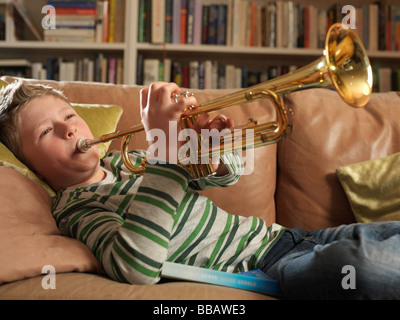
pixel 82 145
pixel 78 146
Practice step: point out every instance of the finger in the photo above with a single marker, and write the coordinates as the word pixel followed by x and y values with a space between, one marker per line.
pixel 218 122
pixel 230 123
pixel 201 122
pixel 163 92
pixel 143 97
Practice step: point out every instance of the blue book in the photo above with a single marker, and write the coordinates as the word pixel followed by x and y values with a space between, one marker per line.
pixel 213 24
pixel 72 4
pixel 222 20
pixel 254 280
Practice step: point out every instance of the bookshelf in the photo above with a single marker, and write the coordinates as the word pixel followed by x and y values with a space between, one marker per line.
pixel 83 54
pixel 133 50
pixel 284 54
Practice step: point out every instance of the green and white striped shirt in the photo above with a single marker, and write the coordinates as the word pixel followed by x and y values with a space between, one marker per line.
pixel 134 223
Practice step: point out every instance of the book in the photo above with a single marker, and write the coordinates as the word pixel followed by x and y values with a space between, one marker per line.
pixel 222 24
pixel 190 22
pixel 168 21
pixel 213 24
pixel 176 21
pixel 150 71
pixel 76 21
pixel 111 21
pixel 158 21
pixel 183 21
pixel 141 36
pixel 20 8
pixel 14 63
pixel 254 280
pixel 197 24
pixel 73 4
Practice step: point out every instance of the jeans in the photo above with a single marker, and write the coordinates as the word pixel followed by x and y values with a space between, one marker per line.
pixel 357 261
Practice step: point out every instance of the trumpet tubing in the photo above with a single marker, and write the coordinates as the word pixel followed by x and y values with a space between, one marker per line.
pixel 344 67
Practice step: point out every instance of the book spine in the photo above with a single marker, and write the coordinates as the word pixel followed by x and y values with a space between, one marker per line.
pixel 213 24
pixel 142 21
pixel 235 280
pixel 176 21
pixel 190 22
pixel 183 21
pixel 158 21
pixel 204 26
pixel 197 23
pixel 168 21
pixel 150 71
pixel 222 24
pixel 111 27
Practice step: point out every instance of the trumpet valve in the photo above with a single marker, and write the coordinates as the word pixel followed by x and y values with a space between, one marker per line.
pixel 184 94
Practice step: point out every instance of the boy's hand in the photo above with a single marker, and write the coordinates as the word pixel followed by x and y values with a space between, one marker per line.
pixel 220 123
pixel 158 109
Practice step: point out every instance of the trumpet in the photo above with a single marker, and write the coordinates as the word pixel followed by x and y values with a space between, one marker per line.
pixel 344 67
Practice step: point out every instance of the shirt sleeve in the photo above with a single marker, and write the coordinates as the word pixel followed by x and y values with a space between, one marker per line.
pixel 130 238
pixel 234 164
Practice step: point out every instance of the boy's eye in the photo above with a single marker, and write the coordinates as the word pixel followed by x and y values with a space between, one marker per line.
pixel 69 116
pixel 45 132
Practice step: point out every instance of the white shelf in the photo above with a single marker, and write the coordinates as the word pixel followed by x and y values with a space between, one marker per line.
pixel 228 49
pixel 40 45
pixel 251 50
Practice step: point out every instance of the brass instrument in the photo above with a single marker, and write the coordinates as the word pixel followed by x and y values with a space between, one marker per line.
pixel 344 66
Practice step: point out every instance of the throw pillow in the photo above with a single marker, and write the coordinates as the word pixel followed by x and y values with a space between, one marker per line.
pixel 29 237
pixel 372 188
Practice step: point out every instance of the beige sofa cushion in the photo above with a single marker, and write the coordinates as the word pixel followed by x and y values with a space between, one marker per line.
pixel 329 134
pixel 29 238
pixel 95 287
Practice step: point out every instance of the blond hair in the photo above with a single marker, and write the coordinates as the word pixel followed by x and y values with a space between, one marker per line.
pixel 12 98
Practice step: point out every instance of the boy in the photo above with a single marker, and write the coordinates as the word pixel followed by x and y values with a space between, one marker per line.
pixel 135 223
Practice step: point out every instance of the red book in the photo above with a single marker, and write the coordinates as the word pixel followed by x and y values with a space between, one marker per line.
pixel 185 77
pixel 77 11
pixel 183 22
pixel 389 36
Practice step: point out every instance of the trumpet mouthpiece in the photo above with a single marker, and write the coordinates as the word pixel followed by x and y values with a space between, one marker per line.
pixel 83 145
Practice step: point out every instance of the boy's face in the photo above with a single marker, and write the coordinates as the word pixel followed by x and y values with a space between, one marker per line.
pixel 49 130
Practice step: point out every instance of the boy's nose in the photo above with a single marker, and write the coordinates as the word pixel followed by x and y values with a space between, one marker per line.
pixel 69 132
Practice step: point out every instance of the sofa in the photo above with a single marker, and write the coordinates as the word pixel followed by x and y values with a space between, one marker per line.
pixel 313 179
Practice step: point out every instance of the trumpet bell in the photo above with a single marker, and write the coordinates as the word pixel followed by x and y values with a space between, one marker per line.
pixel 348 65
